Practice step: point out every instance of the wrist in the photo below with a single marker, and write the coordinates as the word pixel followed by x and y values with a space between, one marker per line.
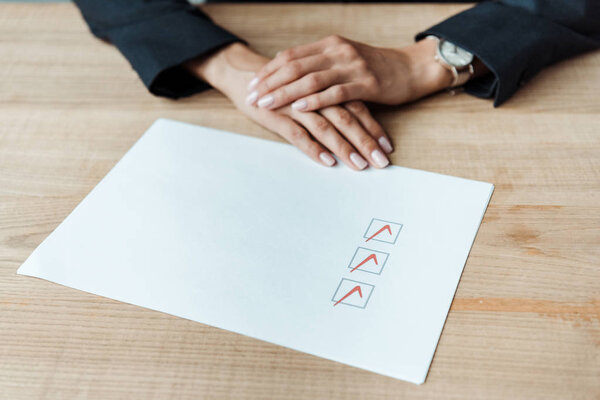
pixel 229 64
pixel 427 75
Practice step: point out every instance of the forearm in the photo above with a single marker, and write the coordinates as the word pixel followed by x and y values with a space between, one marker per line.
pixel 539 33
pixel 157 36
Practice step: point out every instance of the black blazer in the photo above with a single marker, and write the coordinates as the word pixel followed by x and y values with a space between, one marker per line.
pixel 515 39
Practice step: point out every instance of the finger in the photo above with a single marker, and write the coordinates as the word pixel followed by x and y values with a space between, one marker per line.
pixel 352 130
pixel 286 56
pixel 324 131
pixel 290 72
pixel 331 96
pixel 363 115
pixel 297 136
pixel 304 86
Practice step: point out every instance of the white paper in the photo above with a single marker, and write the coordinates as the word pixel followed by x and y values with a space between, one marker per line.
pixel 251 236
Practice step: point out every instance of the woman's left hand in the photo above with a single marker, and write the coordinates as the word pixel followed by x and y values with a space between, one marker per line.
pixel 336 70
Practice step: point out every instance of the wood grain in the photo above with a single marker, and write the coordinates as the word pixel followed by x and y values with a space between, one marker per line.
pixel 525 323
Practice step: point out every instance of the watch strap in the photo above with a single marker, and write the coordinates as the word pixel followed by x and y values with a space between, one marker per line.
pixel 461 76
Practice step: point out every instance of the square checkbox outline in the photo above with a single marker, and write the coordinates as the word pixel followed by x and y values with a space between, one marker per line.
pixel 375 251
pixel 352 305
pixel 383 220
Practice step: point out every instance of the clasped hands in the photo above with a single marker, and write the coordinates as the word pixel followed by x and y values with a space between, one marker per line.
pixel 312 95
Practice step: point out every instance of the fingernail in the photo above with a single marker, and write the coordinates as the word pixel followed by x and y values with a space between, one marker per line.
pixel 253 83
pixel 385 144
pixel 252 97
pixel 299 105
pixel 358 161
pixel 265 101
pixel 380 159
pixel 327 159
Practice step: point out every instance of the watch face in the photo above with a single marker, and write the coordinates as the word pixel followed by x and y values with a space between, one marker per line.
pixel 454 55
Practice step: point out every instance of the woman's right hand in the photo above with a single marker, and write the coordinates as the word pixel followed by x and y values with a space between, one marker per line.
pixel 348 131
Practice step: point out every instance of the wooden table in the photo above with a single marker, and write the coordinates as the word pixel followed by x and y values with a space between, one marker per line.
pixel 525 323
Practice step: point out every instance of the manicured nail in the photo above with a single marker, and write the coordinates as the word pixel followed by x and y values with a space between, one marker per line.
pixel 251 97
pixel 385 144
pixel 253 83
pixel 358 161
pixel 299 105
pixel 266 101
pixel 380 159
pixel 327 159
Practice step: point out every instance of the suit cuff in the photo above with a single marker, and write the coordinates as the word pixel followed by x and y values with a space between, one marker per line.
pixel 513 43
pixel 157 58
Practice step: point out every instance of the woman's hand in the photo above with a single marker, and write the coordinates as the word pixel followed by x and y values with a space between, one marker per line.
pixel 336 70
pixel 348 131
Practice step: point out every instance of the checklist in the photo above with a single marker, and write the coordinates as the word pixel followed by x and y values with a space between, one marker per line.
pixel 350 292
pixel 355 267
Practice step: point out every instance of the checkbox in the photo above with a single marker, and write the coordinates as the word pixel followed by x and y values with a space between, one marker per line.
pixel 380 230
pixel 352 293
pixel 368 260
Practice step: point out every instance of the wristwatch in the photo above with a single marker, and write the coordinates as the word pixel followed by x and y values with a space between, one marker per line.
pixel 456 59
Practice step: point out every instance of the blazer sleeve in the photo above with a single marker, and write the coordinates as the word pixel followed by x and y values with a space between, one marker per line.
pixel 157 36
pixel 515 39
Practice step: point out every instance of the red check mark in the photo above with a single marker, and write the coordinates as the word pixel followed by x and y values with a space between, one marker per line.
pixel 383 228
pixel 354 289
pixel 366 260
